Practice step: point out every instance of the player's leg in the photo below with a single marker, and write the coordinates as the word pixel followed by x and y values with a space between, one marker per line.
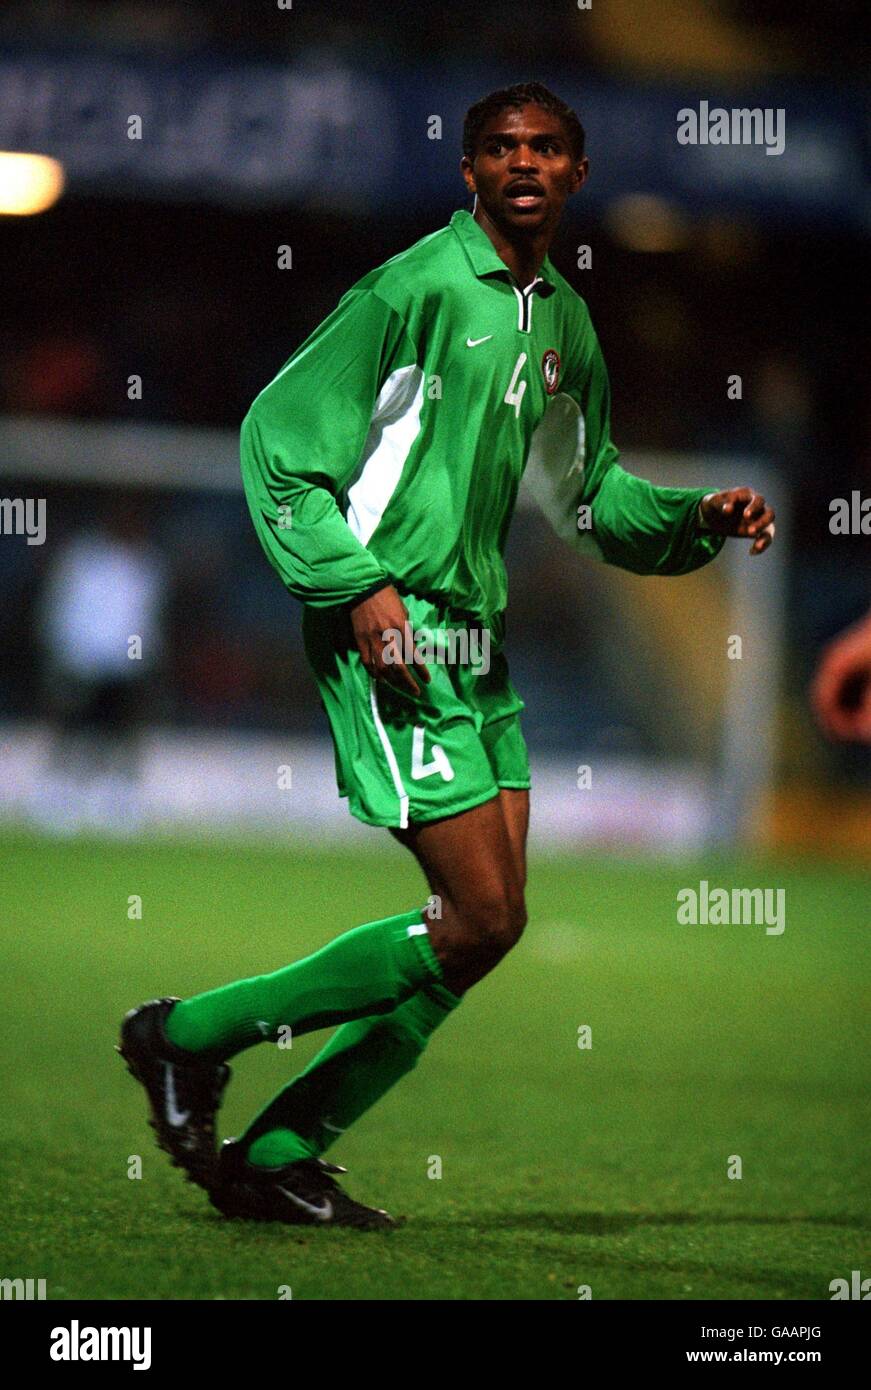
pixel 366 1058
pixel 371 970
pixel 275 1172
pixel 177 1048
pixel 398 757
pixel 472 744
pixel 368 970
pixel 515 809
pixel 473 865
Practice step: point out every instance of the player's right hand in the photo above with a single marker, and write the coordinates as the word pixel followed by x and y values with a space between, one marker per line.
pixel 374 622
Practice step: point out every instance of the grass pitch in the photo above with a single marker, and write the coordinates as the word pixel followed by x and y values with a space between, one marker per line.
pixel 561 1166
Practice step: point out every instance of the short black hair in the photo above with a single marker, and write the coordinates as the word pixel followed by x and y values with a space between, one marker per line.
pixel 521 94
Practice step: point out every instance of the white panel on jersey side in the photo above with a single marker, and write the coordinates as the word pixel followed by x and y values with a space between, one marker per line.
pixel 554 474
pixel 393 429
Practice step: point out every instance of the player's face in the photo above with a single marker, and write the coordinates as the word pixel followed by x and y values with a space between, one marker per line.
pixel 523 170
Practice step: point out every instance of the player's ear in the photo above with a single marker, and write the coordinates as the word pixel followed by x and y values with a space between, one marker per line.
pixel 582 170
pixel 467 173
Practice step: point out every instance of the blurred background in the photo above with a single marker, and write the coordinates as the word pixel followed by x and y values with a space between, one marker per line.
pixel 144 308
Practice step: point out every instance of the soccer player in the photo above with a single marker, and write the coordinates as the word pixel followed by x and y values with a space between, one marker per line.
pixel 381 468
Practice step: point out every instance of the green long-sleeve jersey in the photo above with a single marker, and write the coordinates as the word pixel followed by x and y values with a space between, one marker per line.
pixel 390 447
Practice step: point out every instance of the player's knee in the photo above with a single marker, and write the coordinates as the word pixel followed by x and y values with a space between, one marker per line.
pixel 515 921
pixel 495 924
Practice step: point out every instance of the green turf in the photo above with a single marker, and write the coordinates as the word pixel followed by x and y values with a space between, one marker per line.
pixel 561 1167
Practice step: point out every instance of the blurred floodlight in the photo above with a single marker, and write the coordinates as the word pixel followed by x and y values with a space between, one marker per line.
pixel 645 222
pixel 29 183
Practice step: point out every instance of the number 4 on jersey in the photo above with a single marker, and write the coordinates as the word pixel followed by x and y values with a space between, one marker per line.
pixel 440 762
pixel 514 394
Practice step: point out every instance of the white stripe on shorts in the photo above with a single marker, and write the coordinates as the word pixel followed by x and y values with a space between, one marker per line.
pixel 389 754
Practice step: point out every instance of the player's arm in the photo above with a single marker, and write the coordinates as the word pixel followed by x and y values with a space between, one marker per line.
pixel 634 523
pixel 301 443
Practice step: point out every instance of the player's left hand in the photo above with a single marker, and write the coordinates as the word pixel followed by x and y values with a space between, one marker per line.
pixel 740 511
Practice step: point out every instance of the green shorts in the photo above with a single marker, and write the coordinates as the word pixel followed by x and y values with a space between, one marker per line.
pixel 403 758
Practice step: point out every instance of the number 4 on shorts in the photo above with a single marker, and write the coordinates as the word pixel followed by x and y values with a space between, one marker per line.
pixel 440 761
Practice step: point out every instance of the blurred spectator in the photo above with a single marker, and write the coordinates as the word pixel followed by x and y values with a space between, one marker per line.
pixel 100 626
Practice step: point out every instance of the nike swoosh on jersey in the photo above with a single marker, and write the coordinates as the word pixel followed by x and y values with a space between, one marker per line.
pixel 174 1116
pixel 321 1213
pixel 473 342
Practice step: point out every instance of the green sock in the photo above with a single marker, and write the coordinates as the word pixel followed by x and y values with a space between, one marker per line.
pixel 369 970
pixel 359 1064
